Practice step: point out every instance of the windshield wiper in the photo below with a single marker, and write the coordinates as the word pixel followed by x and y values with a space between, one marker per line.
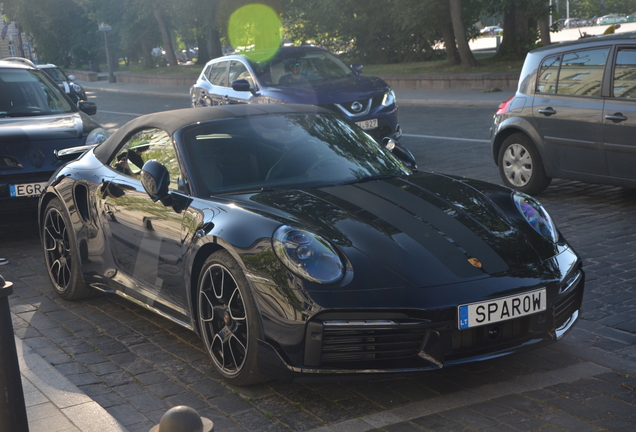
pixel 25 114
pixel 369 178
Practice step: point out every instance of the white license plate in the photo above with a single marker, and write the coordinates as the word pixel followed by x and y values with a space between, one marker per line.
pixel 26 189
pixel 368 124
pixel 501 309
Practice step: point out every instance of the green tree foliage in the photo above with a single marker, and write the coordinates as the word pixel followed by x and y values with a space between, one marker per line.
pixel 520 21
pixel 368 31
pixel 596 8
pixel 58 28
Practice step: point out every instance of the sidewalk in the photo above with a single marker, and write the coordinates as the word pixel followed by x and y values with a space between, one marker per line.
pixel 405 97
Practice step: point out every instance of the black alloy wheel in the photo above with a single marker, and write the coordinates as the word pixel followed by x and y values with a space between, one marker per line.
pixel 60 253
pixel 228 320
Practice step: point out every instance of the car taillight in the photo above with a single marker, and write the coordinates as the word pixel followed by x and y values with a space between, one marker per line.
pixel 503 107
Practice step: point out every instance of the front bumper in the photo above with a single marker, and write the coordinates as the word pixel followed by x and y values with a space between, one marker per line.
pixel 416 341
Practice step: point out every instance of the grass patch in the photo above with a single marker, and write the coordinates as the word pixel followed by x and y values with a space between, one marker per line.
pixel 487 64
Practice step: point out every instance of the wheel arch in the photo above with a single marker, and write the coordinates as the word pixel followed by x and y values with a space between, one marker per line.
pixel 202 254
pixel 511 126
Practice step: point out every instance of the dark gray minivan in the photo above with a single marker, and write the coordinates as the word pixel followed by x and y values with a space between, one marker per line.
pixel 573 116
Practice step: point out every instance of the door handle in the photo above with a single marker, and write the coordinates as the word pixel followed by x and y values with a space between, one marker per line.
pixel 616 118
pixel 226 99
pixel 547 111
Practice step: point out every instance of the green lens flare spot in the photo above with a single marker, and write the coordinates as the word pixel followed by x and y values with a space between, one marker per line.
pixel 255 31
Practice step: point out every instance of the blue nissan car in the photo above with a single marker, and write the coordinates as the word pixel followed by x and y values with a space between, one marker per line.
pixel 301 75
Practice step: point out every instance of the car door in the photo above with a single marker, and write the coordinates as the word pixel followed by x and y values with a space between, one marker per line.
pixel 145 237
pixel 217 94
pixel 239 71
pixel 568 109
pixel 619 116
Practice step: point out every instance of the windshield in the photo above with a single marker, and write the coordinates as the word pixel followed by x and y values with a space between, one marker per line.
pixel 26 92
pixel 56 74
pixel 281 152
pixel 290 68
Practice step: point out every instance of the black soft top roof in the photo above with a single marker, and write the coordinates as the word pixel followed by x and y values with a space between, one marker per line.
pixel 171 121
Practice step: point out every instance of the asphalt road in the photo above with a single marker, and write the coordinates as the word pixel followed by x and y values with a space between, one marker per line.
pixel 137 365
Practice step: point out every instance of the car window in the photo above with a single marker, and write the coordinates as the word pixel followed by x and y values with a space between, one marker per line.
pixel 548 74
pixel 625 74
pixel 143 146
pixel 218 75
pixel 577 73
pixel 239 71
pixel 55 73
pixel 26 92
pixel 581 72
pixel 283 151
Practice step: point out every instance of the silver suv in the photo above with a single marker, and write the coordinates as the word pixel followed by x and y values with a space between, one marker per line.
pixel 573 116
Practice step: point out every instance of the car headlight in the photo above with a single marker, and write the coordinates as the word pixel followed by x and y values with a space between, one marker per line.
pixel 536 216
pixel 389 98
pixel 307 255
pixel 96 136
pixel 76 88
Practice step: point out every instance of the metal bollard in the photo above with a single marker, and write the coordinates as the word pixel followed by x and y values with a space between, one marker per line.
pixel 183 419
pixel 13 416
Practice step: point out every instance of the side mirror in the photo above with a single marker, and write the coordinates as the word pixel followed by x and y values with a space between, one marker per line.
pixel 71 77
pixel 88 107
pixel 242 85
pixel 401 152
pixel 155 180
pixel 357 68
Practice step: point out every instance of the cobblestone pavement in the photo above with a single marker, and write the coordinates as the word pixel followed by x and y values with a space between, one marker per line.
pixel 137 365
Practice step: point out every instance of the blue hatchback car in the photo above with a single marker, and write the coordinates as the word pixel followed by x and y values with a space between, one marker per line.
pixel 301 75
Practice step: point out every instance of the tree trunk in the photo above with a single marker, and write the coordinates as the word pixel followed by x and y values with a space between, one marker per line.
pixel 167 39
pixel 204 54
pixel 215 43
pixel 465 54
pixel 450 44
pixel 145 48
pixel 544 29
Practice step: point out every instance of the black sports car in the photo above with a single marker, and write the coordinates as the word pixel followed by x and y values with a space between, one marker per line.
pixel 295 244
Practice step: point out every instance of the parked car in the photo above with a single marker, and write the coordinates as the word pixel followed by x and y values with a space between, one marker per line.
pixel 573 116
pixel 66 82
pixel 40 129
pixel 612 19
pixel 305 75
pixel 296 245
pixel 577 22
pixel 491 30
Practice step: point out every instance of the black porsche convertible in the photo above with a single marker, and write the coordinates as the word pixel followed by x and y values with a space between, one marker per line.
pixel 294 244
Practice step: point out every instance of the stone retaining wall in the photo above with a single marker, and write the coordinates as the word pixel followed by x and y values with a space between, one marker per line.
pixel 159 80
pixel 476 81
pixel 83 75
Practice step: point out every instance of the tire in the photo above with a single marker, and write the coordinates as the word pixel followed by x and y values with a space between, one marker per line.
pixel 520 165
pixel 61 254
pixel 228 320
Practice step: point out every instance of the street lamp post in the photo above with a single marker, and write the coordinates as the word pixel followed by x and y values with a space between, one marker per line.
pixel 106 28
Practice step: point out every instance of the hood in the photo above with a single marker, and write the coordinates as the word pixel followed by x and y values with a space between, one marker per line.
pixel 341 90
pixel 29 142
pixel 422 228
